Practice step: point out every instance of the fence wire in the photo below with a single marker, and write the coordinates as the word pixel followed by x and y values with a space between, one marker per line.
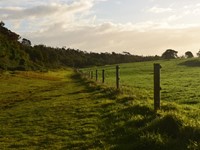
pixel 177 84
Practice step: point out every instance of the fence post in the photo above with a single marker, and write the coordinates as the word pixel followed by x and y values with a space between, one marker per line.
pixel 157 87
pixel 103 76
pixel 91 75
pixel 96 75
pixel 117 77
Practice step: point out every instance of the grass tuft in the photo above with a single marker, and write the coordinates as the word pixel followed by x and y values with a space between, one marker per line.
pixel 169 125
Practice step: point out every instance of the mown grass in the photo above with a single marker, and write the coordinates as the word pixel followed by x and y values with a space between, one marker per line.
pixel 60 110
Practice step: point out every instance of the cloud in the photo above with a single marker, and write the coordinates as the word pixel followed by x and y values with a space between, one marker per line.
pixel 14 13
pixel 9 13
pixel 109 37
pixel 160 10
pixel 74 24
pixel 41 15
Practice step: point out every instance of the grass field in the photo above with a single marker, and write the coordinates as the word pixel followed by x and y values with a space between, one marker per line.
pixel 46 111
pixel 179 83
pixel 60 110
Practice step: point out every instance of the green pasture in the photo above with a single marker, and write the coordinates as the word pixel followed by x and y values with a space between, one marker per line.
pixel 61 110
pixel 180 83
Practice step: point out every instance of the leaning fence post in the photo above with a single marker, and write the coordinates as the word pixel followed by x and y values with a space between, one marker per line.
pixel 91 75
pixel 103 76
pixel 117 77
pixel 157 87
pixel 96 75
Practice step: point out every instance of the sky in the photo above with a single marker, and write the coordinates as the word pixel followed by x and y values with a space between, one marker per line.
pixel 141 27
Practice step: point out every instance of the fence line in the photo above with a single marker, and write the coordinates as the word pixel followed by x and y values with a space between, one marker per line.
pixel 91 75
pixel 103 76
pixel 117 77
pixel 96 75
pixel 157 87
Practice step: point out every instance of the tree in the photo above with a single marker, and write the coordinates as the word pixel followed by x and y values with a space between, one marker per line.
pixel 198 54
pixel 26 42
pixel 169 54
pixel 189 54
pixel 126 53
pixel 2 23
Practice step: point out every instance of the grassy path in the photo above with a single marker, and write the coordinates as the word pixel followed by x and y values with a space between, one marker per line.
pixel 47 113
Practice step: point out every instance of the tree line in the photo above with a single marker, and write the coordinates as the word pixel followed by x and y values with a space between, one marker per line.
pixel 172 54
pixel 19 54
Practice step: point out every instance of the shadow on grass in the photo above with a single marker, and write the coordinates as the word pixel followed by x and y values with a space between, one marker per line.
pixel 132 125
pixel 122 126
pixel 191 63
pixel 191 102
pixel 91 86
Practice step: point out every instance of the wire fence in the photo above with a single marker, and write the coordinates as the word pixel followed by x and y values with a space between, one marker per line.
pixel 179 83
pixel 115 75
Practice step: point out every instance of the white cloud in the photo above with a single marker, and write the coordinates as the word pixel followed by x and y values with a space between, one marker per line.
pixel 109 37
pixel 44 10
pixel 160 10
pixel 44 15
pixel 174 18
pixel 74 24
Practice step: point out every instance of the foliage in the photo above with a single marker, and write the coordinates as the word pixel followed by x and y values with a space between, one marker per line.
pixel 11 55
pixel 26 42
pixel 17 55
pixel 198 54
pixel 2 23
pixel 169 54
pixel 189 54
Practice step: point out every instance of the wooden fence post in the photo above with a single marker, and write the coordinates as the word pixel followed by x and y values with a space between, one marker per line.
pixel 91 75
pixel 157 87
pixel 117 77
pixel 103 76
pixel 96 75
